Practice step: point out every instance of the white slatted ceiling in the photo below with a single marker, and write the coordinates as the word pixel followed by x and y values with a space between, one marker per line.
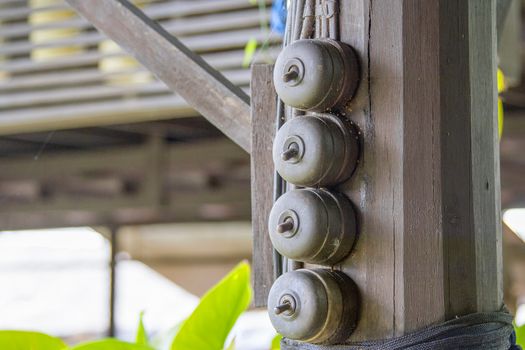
pixel 72 91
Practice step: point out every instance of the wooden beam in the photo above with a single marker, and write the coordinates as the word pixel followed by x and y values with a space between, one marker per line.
pixel 114 248
pixel 263 132
pixel 427 187
pixel 502 10
pixel 85 188
pixel 204 88
pixel 514 268
pixel 118 159
pixel 188 241
pixel 226 205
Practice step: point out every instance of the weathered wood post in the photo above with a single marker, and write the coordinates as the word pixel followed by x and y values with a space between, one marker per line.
pixel 263 101
pixel 427 185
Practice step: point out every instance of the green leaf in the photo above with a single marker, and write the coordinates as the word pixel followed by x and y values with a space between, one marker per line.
pixel 20 340
pixel 249 52
pixel 520 335
pixel 276 342
pixel 501 88
pixel 211 322
pixel 110 344
pixel 142 337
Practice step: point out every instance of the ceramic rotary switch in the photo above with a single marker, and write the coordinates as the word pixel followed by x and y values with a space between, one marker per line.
pixel 313 225
pixel 316 306
pixel 316 74
pixel 316 150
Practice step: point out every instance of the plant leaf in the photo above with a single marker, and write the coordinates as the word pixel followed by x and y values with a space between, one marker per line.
pixel 211 322
pixel 20 340
pixel 249 52
pixel 520 335
pixel 276 342
pixel 110 344
pixel 142 336
pixel 501 88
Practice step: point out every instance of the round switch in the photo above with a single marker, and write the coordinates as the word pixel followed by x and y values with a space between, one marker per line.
pixel 316 74
pixel 316 150
pixel 313 225
pixel 317 306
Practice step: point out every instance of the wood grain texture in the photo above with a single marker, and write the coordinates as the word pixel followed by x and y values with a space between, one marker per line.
pixel 420 255
pixel 471 184
pixel 484 145
pixel 455 107
pixel 427 187
pixel 204 88
pixel 263 132
pixel 374 188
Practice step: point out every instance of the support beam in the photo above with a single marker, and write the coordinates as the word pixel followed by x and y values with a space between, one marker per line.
pixel 146 183
pixel 427 187
pixel 502 10
pixel 513 161
pixel 263 132
pixel 113 280
pixel 204 88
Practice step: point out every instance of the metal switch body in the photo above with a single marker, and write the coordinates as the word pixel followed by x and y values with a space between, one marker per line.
pixel 316 74
pixel 313 225
pixel 316 150
pixel 317 306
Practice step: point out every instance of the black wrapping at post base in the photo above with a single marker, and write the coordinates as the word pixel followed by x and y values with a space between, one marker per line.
pixel 480 331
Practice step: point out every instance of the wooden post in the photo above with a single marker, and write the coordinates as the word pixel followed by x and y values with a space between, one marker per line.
pixel 264 105
pixel 113 279
pixel 427 187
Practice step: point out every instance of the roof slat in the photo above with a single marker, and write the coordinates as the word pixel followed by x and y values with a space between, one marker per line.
pixel 71 91
pixel 199 43
pixel 165 9
pixel 180 26
pixel 93 92
pixel 53 79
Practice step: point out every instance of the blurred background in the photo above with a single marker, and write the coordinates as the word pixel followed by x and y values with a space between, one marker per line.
pixel 116 197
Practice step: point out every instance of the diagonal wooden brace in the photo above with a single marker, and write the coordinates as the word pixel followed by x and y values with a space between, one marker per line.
pixel 203 87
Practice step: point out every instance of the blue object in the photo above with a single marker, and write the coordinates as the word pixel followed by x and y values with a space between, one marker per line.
pixel 512 341
pixel 278 19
